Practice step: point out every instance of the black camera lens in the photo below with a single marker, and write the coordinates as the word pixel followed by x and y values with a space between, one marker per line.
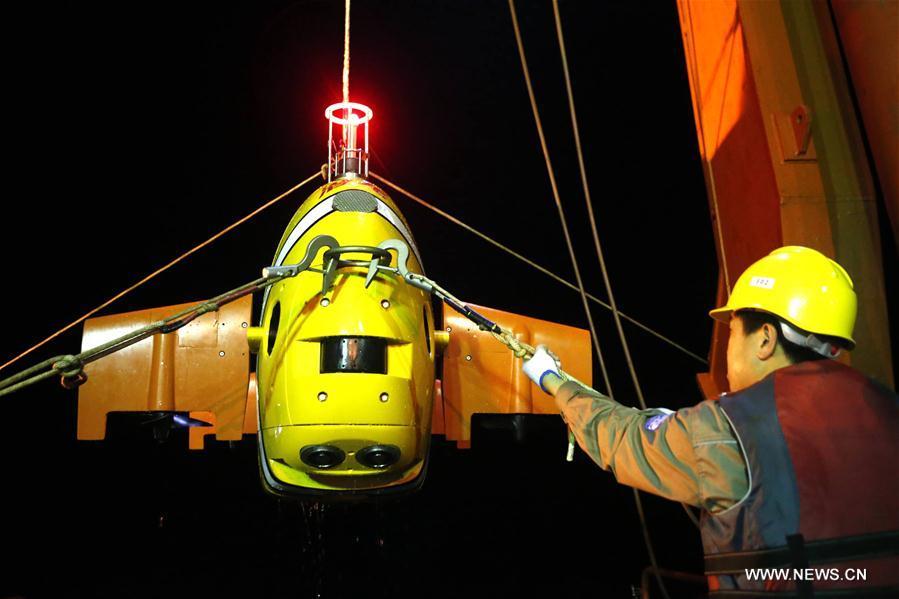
pixel 322 456
pixel 378 456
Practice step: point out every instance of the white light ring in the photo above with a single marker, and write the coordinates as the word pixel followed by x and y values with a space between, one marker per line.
pixel 365 110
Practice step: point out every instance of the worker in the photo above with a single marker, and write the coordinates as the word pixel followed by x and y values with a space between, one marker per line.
pixel 796 467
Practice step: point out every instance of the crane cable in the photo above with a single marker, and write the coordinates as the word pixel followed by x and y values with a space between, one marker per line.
pixel 646 536
pixel 346 53
pixel 162 269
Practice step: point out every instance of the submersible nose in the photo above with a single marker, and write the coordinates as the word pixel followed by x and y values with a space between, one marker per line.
pixel 322 456
pixel 378 456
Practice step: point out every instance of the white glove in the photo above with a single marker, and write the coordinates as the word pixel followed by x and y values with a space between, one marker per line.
pixel 541 364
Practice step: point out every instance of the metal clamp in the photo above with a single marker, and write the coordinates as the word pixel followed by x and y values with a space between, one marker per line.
pixel 380 260
pixel 379 257
pixel 402 254
pixel 292 270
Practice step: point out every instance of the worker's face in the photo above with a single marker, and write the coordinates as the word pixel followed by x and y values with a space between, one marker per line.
pixel 747 355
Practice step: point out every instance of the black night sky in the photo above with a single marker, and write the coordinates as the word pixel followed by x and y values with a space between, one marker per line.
pixel 136 130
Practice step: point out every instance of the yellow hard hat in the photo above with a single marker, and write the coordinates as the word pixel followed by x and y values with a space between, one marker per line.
pixel 800 285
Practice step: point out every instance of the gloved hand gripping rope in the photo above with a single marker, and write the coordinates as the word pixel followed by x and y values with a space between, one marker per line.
pixel 538 362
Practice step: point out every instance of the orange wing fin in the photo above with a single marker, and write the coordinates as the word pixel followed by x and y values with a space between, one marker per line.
pixel 481 375
pixel 202 368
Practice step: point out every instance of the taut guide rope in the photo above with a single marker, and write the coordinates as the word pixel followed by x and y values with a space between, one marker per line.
pixel 162 269
pixel 71 367
pixel 645 529
pixel 532 264
pixel 555 192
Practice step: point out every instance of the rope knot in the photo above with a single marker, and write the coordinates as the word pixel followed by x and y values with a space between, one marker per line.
pixel 68 366
pixel 71 371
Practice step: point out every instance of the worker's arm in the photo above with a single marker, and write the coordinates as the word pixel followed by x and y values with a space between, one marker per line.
pixel 690 455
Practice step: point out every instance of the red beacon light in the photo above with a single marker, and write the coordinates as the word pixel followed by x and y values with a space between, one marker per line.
pixel 346 159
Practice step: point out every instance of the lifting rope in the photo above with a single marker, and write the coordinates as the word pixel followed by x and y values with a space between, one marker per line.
pixel 346 54
pixel 162 269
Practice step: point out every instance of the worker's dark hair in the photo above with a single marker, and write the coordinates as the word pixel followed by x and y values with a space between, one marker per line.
pixel 753 321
